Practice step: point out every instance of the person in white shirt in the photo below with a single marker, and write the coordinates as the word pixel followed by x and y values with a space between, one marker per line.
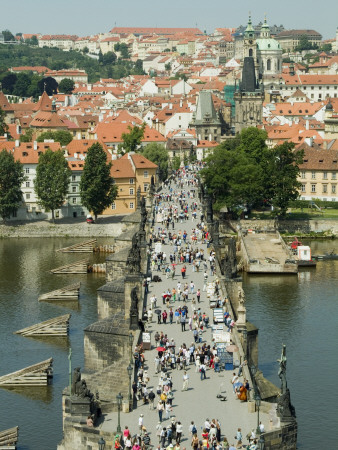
pixel 185 381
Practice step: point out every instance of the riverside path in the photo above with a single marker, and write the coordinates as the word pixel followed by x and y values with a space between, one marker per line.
pixel 199 402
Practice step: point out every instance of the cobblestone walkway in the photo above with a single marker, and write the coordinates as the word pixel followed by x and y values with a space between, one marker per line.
pixel 199 402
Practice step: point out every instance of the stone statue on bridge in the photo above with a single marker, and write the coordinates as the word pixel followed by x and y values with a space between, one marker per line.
pixel 285 410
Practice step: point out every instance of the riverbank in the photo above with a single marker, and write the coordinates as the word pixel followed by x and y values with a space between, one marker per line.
pixel 106 226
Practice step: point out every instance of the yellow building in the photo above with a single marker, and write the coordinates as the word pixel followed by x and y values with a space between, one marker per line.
pixel 318 174
pixel 130 172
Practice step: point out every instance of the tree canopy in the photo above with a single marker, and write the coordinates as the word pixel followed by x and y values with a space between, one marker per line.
pixel 133 139
pixel 97 187
pixel 62 136
pixel 305 44
pixel 3 124
pixel 11 179
pixel 244 173
pixel 56 59
pixel 159 155
pixel 66 86
pixel 52 180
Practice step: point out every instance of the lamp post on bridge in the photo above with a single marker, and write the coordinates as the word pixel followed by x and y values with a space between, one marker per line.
pixel 119 399
pixel 131 340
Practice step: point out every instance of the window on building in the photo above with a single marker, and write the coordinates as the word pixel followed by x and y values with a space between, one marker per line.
pixel 73 177
pixel 28 196
pixel 14 213
pixel 313 188
pixel 313 175
pixel 74 200
pixel 145 187
pixel 131 191
pixel 325 175
pixel 303 175
pixel 303 187
pixel 145 174
pixel 27 170
pixel 333 189
pixel 131 180
pixel 27 183
pixel 131 205
pixel 73 188
pixel 312 96
pixel 324 188
pixel 334 176
pixel 113 205
pixel 268 64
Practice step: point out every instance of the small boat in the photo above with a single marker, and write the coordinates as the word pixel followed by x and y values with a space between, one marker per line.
pixel 302 254
pixel 326 256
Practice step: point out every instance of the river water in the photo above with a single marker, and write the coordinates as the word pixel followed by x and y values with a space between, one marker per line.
pixel 24 275
pixel 299 311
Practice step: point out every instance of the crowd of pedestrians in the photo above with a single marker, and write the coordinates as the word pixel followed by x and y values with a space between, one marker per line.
pixel 180 248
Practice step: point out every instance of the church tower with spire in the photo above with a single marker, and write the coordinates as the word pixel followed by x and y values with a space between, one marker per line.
pixel 249 44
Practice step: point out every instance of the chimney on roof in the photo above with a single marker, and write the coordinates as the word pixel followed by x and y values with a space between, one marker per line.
pixel 35 145
pixel 89 87
pixel 17 143
pixel 307 124
pixel 181 103
pixel 79 135
pixel 170 106
pixel 75 155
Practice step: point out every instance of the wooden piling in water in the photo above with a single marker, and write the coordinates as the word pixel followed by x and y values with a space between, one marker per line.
pixel 35 375
pixel 58 326
pixel 76 267
pixel 9 438
pixel 82 247
pixel 69 292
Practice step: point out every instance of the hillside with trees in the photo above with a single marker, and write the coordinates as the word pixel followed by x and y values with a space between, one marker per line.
pixel 107 66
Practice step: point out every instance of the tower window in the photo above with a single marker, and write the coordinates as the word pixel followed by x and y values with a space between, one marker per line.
pixel 250 52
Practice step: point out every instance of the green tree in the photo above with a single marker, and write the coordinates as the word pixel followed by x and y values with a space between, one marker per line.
pixel 8 82
pixel 158 155
pixel 62 136
pixel 283 171
pixel 176 162
pixel 27 136
pixel 133 139
pixel 109 58
pixel 97 187
pixel 49 84
pixel 34 40
pixel 22 84
pixel 11 179
pixel 8 36
pixel 305 44
pixel 52 180
pixel 66 86
pixel 3 124
pixel 124 50
pixel 326 48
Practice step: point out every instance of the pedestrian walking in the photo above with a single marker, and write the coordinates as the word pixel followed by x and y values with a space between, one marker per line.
pixel 160 409
pixel 183 321
pixel 185 381
pixel 202 371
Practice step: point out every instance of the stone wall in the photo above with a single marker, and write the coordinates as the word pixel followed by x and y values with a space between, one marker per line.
pixel 116 265
pixel 48 229
pixel 284 438
pixel 305 226
pixel 105 342
pixel 110 298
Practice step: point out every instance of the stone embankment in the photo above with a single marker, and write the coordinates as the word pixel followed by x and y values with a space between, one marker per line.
pixel 327 227
pixel 106 226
